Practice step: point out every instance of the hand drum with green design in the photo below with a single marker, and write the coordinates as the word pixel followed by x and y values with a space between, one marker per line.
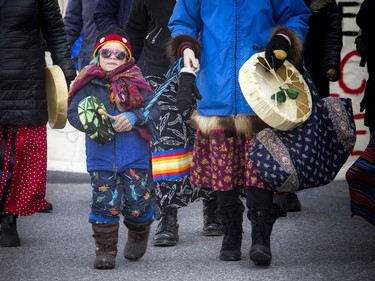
pixel 98 127
pixel 281 98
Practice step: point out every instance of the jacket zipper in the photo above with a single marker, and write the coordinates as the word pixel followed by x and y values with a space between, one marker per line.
pixel 156 36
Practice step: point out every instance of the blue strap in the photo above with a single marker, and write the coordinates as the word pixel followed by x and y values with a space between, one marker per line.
pixel 171 74
pixel 173 71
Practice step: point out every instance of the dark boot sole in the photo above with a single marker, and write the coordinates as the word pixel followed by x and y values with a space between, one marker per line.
pixel 213 233
pixel 164 243
pixel 260 258
pixel 47 209
pixel 105 262
pixel 104 266
pixel 294 208
pixel 10 242
pixel 228 257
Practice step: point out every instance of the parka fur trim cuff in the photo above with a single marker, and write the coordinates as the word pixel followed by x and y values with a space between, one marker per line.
pixel 174 44
pixel 242 124
pixel 296 49
pixel 317 5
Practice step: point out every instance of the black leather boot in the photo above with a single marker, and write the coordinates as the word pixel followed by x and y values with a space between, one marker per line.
pixel 211 219
pixel 106 237
pixel 8 233
pixel 292 203
pixel 262 216
pixel 286 202
pixel 167 230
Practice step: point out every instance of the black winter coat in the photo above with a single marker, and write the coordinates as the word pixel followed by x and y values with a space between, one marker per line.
pixel 111 13
pixel 78 19
pixel 323 43
pixel 26 28
pixel 147 27
pixel 365 20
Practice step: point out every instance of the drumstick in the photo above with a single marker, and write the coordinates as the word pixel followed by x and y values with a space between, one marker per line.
pixel 103 112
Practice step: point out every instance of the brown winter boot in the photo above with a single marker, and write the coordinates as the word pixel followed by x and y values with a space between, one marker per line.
pixel 106 237
pixel 136 245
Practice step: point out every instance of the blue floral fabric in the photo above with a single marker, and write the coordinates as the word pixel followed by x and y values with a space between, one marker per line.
pixel 312 154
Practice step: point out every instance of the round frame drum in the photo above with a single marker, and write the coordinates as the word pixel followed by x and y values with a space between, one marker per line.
pixel 280 98
pixel 57 96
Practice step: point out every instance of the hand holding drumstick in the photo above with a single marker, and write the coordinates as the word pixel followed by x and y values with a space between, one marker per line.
pixel 122 122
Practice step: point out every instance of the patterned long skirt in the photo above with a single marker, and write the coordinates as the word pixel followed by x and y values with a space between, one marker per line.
pixel 23 169
pixel 172 153
pixel 221 160
pixel 361 179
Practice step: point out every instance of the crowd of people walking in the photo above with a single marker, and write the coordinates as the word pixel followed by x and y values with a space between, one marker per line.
pixel 155 144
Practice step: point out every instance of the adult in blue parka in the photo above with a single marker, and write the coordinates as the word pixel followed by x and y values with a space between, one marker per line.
pixel 215 39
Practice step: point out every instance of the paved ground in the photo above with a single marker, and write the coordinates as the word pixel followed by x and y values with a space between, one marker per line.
pixel 323 242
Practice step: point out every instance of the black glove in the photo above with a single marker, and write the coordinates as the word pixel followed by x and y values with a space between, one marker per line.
pixel 276 51
pixel 187 90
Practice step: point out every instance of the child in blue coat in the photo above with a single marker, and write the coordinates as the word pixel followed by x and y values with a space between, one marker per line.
pixel 110 102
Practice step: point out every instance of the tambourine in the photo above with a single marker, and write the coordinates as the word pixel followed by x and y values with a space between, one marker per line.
pixel 281 98
pixel 57 96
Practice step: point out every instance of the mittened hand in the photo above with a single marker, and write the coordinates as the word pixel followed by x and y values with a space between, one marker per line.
pixel 277 51
pixel 187 89
pixel 124 121
pixel 332 74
